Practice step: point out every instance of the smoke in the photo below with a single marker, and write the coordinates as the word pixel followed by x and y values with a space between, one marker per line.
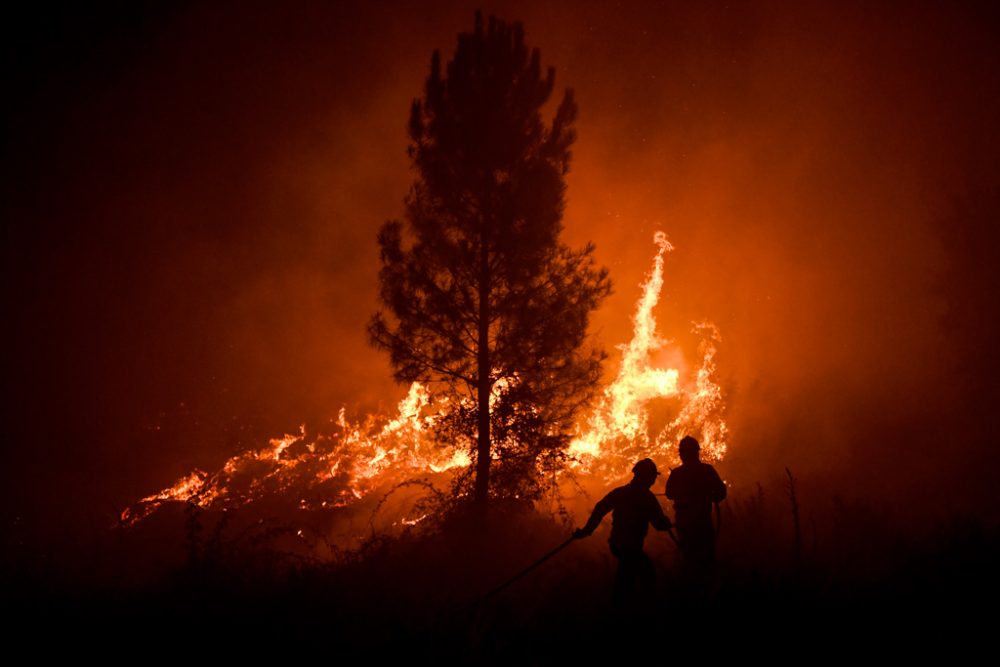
pixel 193 196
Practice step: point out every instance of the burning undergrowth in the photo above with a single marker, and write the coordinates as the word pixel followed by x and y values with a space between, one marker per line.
pixel 382 473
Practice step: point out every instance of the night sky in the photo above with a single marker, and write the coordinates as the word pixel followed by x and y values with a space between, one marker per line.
pixel 192 193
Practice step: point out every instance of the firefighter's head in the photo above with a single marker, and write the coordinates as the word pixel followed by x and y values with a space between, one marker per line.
pixel 689 448
pixel 645 472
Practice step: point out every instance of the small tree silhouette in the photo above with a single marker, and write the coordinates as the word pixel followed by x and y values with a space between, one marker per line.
pixel 481 297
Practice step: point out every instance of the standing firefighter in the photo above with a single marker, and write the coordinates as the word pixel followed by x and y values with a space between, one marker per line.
pixel 633 507
pixel 695 487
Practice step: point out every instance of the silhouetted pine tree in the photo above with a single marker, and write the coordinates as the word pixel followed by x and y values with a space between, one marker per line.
pixel 481 297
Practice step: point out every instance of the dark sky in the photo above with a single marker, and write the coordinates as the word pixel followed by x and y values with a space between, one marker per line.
pixel 193 191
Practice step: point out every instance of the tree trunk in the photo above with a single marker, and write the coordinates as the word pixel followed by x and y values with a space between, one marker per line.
pixel 482 487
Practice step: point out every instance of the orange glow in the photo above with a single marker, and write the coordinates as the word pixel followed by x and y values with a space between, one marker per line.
pixel 340 469
pixel 617 432
pixel 333 470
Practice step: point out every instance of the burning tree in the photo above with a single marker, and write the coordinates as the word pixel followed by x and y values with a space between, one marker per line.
pixel 482 300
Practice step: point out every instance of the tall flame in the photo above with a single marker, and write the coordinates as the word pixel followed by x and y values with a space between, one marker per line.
pixel 336 470
pixel 617 432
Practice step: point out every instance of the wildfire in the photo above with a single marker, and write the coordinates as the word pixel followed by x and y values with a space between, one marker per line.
pixel 617 432
pixel 339 469
pixel 322 470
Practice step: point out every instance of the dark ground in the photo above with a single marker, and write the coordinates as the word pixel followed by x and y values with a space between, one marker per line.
pixel 192 580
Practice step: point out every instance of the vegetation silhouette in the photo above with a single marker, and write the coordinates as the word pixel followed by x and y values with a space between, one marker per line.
pixel 238 584
pixel 482 300
pixel 241 581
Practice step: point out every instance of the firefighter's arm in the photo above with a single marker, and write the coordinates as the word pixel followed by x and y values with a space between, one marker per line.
pixel 659 520
pixel 601 509
pixel 668 490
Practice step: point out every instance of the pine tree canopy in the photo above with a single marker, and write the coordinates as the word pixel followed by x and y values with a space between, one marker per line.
pixel 481 298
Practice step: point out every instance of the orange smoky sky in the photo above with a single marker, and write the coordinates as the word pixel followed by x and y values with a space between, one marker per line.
pixel 194 192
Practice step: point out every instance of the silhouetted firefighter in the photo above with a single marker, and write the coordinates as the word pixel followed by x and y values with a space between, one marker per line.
pixel 694 487
pixel 633 507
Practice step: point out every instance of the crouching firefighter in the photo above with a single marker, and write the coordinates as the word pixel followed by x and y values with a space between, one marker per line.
pixel 633 508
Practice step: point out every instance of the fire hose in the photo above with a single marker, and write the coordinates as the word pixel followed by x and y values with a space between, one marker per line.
pixel 526 570
pixel 547 556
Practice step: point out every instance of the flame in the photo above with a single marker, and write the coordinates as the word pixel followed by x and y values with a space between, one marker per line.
pixel 339 469
pixel 620 414
pixel 334 470
pixel 617 432
pixel 704 408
